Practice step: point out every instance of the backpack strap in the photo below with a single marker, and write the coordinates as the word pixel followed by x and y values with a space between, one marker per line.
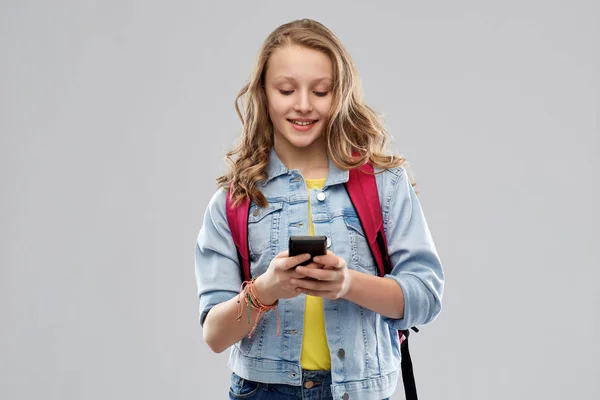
pixel 363 193
pixel 237 218
pixel 362 189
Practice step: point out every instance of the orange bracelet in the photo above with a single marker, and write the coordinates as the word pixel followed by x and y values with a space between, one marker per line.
pixel 247 290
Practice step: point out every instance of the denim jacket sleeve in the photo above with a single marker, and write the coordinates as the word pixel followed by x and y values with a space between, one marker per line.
pixel 216 264
pixel 415 262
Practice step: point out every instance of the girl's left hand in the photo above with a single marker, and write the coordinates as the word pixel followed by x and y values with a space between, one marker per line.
pixel 330 277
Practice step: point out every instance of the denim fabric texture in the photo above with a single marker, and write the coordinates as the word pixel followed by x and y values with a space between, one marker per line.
pixel 316 385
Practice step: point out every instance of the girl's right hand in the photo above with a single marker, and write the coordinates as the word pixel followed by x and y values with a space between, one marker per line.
pixel 275 283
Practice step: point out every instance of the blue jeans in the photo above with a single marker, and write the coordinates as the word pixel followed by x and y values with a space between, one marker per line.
pixel 316 385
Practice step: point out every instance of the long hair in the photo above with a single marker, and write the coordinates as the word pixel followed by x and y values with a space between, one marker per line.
pixel 354 135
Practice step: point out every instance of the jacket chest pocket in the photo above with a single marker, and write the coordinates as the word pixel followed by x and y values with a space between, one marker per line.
pixel 361 252
pixel 263 230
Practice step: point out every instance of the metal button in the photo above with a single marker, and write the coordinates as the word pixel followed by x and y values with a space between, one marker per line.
pixel 341 353
pixel 346 396
pixel 256 212
pixel 321 196
pixel 309 384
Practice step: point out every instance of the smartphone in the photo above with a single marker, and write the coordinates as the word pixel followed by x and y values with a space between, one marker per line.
pixel 313 245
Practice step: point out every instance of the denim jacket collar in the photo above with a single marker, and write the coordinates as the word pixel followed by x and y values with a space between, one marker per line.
pixel 276 168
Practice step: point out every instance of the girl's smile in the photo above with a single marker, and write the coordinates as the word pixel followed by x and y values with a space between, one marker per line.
pixel 303 124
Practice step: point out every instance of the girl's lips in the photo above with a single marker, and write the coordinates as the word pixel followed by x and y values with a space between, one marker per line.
pixel 302 120
pixel 303 128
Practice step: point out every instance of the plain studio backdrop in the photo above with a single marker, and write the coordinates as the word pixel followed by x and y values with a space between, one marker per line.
pixel 115 118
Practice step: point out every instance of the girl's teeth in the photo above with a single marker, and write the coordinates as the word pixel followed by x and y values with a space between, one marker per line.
pixel 302 123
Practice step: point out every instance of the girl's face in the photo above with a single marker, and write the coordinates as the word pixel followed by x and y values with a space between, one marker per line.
pixel 298 85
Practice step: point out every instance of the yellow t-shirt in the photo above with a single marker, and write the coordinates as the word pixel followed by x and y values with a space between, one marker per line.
pixel 315 350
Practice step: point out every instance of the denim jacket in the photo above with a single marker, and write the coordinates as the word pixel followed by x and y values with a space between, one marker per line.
pixel 364 345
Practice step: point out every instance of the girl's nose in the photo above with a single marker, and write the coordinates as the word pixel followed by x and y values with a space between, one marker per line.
pixel 303 105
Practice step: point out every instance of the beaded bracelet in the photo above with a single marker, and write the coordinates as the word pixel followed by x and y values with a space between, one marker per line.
pixel 247 292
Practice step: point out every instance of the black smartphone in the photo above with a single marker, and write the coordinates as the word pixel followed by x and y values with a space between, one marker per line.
pixel 313 245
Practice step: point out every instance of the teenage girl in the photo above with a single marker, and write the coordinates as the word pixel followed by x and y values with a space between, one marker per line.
pixel 327 330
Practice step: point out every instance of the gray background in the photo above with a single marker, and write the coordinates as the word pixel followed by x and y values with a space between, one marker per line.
pixel 115 116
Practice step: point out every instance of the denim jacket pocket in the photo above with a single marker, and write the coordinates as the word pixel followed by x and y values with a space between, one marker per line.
pixel 361 252
pixel 263 228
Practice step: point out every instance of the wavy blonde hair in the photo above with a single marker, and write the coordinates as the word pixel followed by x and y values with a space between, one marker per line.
pixel 354 135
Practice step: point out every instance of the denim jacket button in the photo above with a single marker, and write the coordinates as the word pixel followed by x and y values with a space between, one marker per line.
pixel 346 396
pixel 321 196
pixel 309 384
pixel 341 353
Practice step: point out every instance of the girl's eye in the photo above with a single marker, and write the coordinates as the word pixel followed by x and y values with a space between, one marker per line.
pixel 321 94
pixel 286 92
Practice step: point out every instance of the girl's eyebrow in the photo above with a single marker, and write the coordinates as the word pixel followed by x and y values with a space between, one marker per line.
pixel 281 78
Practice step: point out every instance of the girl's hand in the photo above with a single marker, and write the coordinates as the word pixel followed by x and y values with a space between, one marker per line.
pixel 276 282
pixel 330 277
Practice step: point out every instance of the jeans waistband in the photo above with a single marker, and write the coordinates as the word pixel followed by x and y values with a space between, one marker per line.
pixel 316 375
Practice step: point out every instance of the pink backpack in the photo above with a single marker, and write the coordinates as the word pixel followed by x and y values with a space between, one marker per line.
pixel 362 189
